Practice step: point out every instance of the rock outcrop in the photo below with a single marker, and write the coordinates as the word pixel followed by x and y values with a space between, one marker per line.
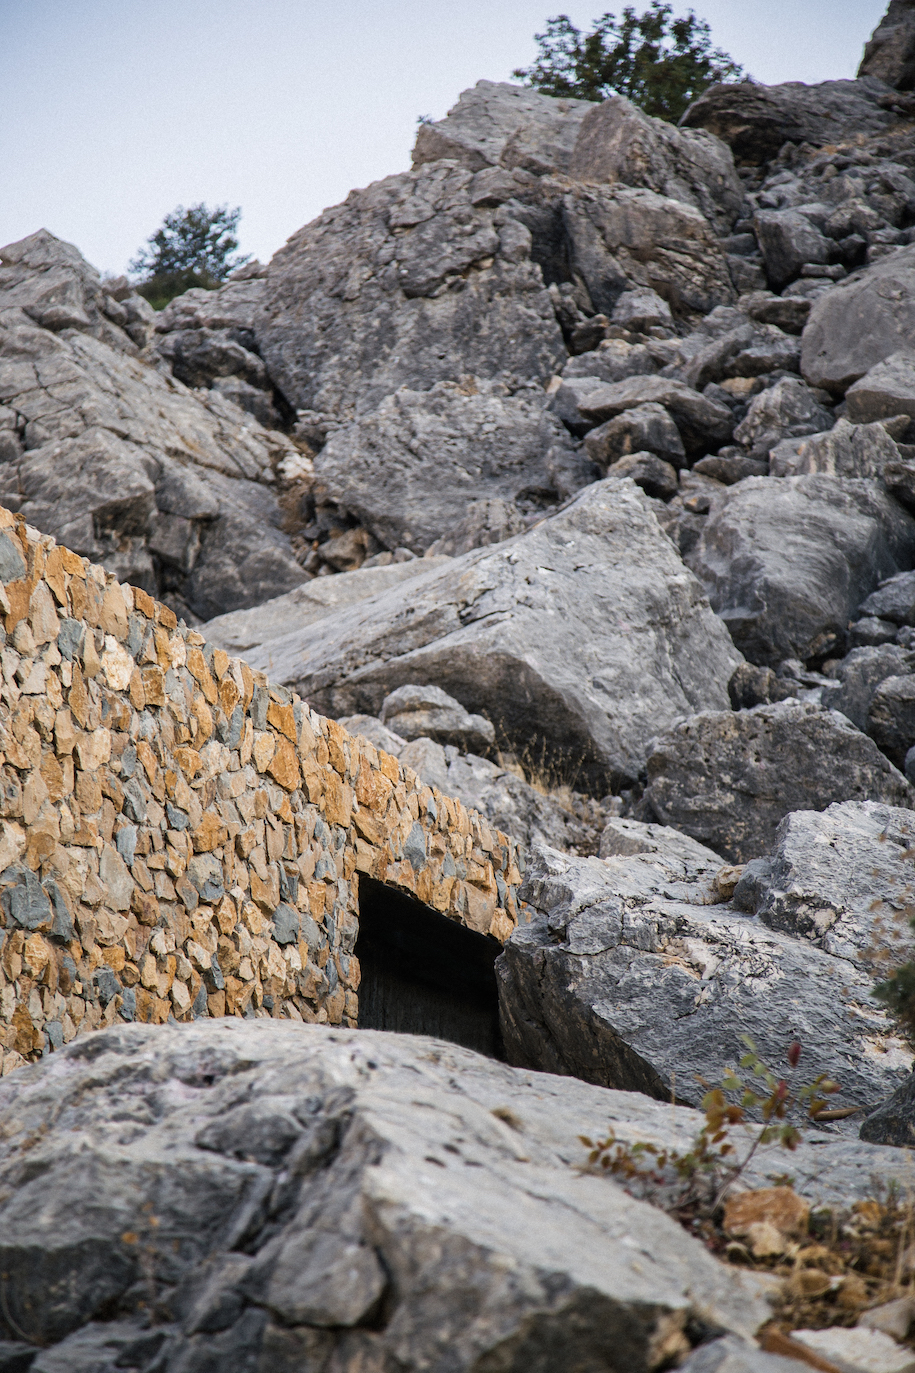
pixel 174 491
pixel 861 322
pixel 729 778
pixel 636 972
pixel 890 54
pixel 587 635
pixel 756 121
pixel 786 563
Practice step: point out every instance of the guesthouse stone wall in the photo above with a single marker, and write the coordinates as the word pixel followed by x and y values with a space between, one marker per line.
pixel 180 838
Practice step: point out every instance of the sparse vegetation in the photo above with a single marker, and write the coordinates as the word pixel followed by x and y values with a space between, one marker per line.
pixel 659 62
pixel 192 247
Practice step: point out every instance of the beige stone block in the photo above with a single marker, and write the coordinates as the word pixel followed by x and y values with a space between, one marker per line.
pixel 117 665
pixel 113 612
pixel 264 748
pixel 43 620
pixel 283 767
pixel 93 749
pixel 197 667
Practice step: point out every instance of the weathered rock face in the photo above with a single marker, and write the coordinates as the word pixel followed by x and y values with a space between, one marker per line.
pixel 841 878
pixel 893 1122
pixel 861 672
pixel 408 469
pixel 587 634
pixel 890 54
pixel 485 522
pixel 619 237
pixel 417 279
pixel 506 800
pixel 55 286
pixel 618 142
pixel 886 390
pixel 240 631
pixel 861 322
pixel 288 1172
pixel 756 120
pixel 786 563
pixel 208 339
pixel 497 124
pixel 634 973
pixel 172 491
pixel 728 779
pixel 417 712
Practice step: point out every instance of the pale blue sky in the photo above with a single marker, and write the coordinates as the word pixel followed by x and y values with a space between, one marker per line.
pixel 112 112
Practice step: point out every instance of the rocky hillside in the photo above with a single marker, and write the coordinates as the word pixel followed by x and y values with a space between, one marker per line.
pixel 573 467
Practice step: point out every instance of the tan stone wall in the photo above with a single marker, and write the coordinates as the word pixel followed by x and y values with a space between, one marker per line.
pixel 179 837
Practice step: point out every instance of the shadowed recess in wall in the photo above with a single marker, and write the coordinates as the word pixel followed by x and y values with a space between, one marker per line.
pixel 423 973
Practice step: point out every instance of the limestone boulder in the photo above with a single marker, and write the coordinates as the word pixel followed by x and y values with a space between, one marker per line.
pixel 618 143
pixel 887 389
pixel 860 322
pixel 840 878
pixel 728 779
pixel 509 802
pixel 787 562
pixel 303 1178
pixel 173 490
pixel 485 522
pixel 408 469
pixel 241 631
pixel 407 283
pixel 634 972
pixel 587 634
pixel 756 120
pixel 890 53
pixel 417 712
pixel 497 124
pixel 620 237
pixel 860 673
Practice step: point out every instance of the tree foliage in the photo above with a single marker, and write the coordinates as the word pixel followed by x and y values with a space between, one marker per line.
pixel 192 247
pixel 659 62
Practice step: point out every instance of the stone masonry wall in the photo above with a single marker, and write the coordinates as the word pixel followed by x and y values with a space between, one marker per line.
pixel 179 837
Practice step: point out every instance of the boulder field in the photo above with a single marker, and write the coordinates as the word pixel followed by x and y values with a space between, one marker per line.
pixel 490 621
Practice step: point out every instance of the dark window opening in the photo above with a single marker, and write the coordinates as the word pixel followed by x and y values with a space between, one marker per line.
pixel 424 974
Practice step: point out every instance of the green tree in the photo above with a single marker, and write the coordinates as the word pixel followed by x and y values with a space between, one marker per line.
pixel 659 62
pixel 193 247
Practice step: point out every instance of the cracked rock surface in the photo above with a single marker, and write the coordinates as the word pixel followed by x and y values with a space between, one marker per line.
pixel 291 1197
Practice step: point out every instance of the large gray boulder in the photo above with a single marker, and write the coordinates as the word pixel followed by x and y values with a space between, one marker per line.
pixel 633 973
pixel 586 635
pixel 890 53
pixel 414 280
pixel 786 562
pixel 509 802
pixel 787 410
pixel 620 237
pixel 172 490
pixel 860 673
pixel 887 389
pixel 841 879
pixel 57 288
pixel 241 631
pixel 755 120
pixel 860 322
pixel 703 423
pixel 408 470
pixel 619 143
pixel 287 1197
pixel 728 778
pixel 497 124
pixel 208 339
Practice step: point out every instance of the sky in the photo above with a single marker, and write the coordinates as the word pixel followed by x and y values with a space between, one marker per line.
pixel 113 112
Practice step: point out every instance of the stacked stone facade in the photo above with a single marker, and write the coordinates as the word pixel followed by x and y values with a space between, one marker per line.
pixel 180 838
